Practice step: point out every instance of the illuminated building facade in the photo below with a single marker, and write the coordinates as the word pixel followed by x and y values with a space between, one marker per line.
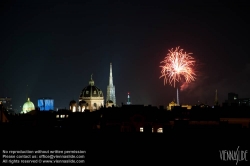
pixel 7 103
pixel 73 106
pixel 111 100
pixel 45 104
pixel 91 98
pixel 171 105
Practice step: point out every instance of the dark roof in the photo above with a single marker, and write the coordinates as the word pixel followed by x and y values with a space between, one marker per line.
pixel 91 91
pixel 82 102
pixel 72 102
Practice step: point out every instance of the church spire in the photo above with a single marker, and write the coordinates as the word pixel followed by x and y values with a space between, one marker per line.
pixel 91 82
pixel 111 88
pixel 110 75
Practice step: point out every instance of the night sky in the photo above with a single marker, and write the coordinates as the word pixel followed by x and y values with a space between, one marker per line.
pixel 54 47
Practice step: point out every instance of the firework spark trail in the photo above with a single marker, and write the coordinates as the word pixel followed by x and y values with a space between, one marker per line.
pixel 176 65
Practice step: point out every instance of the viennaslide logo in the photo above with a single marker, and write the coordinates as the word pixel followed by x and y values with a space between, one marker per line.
pixel 234 155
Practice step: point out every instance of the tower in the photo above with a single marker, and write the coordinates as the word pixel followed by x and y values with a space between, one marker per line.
pixel 111 88
pixel 216 99
pixel 128 102
pixel 178 102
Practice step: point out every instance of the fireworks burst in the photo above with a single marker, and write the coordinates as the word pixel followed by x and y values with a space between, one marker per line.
pixel 176 65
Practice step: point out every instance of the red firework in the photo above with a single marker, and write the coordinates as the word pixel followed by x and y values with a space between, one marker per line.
pixel 176 65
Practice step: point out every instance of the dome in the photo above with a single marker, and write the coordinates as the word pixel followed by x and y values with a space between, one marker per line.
pixel 72 102
pixel 28 106
pixel 91 90
pixel 91 97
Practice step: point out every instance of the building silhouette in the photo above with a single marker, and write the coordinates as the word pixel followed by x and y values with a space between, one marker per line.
pixel 234 100
pixel 134 118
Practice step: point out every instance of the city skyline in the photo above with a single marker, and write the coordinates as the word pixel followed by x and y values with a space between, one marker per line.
pixel 54 47
pixel 128 93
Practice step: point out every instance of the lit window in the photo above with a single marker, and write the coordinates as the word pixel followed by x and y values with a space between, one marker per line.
pixel 74 108
pixel 94 92
pixel 159 130
pixel 57 116
pixel 141 129
pixel 87 92
pixel 62 116
pixel 67 116
pixel 152 130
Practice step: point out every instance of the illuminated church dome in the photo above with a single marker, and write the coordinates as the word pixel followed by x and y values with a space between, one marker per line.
pixel 91 97
pixel 91 90
pixel 28 106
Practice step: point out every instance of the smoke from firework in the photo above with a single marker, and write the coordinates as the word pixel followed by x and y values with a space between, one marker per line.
pixel 184 86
